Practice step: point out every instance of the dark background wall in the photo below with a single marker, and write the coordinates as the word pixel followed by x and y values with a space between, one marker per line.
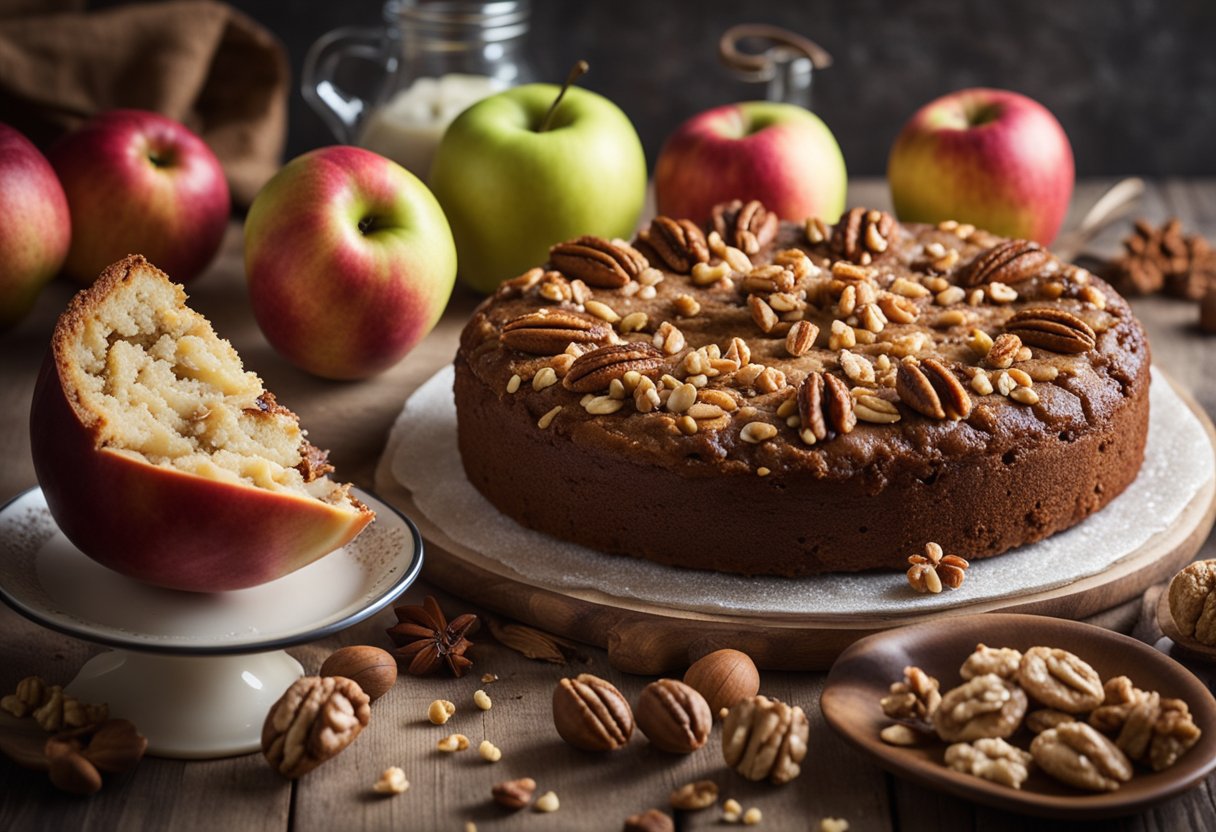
pixel 1132 81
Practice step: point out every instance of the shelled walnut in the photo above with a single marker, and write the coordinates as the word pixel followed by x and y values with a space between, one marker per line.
pixel 915 697
pixel 765 738
pixel 315 720
pixel 1192 601
pixel 992 759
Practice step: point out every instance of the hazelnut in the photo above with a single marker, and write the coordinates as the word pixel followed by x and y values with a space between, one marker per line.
pixel 372 669
pixel 652 820
pixel 673 716
pixel 514 794
pixel 591 714
pixel 724 677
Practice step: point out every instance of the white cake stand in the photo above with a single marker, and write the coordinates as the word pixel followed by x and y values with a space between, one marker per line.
pixel 196 672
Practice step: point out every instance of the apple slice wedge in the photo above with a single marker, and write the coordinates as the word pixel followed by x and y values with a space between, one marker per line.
pixel 163 459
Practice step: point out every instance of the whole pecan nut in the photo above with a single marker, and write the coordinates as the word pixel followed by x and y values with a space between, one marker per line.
pixel 986 706
pixel 1052 329
pixel 1061 680
pixel 746 226
pixel 598 262
pixel 591 714
pixel 1009 262
pixel 1076 754
pixel 929 388
pixel 863 234
pixel 680 244
pixel 315 720
pixel 825 407
pixel 673 716
pixel 550 331
pixel 593 371
pixel 765 738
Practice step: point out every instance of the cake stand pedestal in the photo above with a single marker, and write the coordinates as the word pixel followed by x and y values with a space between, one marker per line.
pixel 195 672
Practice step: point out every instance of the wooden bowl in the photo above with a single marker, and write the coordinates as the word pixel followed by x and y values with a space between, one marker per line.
pixel 1185 644
pixel 862 674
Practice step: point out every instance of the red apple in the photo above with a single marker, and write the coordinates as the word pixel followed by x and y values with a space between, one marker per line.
pixel 780 154
pixel 139 182
pixel 992 158
pixel 35 227
pixel 350 262
pixel 135 507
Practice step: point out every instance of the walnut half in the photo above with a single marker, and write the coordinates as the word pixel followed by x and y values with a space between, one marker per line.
pixel 1192 600
pixel 984 707
pixel 316 719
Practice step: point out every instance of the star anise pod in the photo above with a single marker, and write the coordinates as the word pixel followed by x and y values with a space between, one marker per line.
pixel 427 640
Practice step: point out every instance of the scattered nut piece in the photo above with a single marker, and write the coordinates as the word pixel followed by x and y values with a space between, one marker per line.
pixel 514 794
pixel 453 743
pixel 992 759
pixel 692 797
pixel 392 781
pixel 489 678
pixel 752 817
pixel 489 752
pixel 547 802
pixel 652 820
pixel 440 711
pixel 833 825
pixel 731 810
pixel 482 700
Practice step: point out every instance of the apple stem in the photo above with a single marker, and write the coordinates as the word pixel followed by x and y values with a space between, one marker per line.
pixel 576 72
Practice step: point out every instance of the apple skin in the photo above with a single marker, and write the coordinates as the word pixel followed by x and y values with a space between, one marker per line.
pixel 511 192
pixel 992 158
pixel 36 227
pixel 780 154
pixel 335 300
pixel 124 201
pixel 166 527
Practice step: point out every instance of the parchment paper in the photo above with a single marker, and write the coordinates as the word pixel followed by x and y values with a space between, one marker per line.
pixel 424 458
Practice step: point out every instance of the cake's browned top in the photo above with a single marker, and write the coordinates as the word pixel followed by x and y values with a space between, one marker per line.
pixel 819 350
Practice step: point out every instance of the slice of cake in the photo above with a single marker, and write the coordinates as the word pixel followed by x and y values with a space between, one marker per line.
pixel 163 458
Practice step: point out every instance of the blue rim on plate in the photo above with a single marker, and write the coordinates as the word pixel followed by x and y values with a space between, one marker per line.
pixel 390 593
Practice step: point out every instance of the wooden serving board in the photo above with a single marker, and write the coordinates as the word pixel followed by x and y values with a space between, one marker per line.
pixel 645 638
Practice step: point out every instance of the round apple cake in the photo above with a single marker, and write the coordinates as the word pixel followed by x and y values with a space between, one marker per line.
pixel 763 397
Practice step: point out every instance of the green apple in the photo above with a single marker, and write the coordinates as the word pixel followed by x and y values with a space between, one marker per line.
pixel 511 189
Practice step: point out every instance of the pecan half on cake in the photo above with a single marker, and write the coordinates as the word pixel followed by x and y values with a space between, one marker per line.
pixel 772 398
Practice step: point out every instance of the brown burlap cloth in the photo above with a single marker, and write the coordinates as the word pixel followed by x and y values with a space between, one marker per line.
pixel 200 62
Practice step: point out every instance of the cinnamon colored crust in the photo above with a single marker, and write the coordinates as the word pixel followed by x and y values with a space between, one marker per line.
pixel 633 483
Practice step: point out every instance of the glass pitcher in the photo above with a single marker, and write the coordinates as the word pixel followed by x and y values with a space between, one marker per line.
pixel 429 61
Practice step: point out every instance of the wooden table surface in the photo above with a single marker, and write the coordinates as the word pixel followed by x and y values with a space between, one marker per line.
pixel 352 419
